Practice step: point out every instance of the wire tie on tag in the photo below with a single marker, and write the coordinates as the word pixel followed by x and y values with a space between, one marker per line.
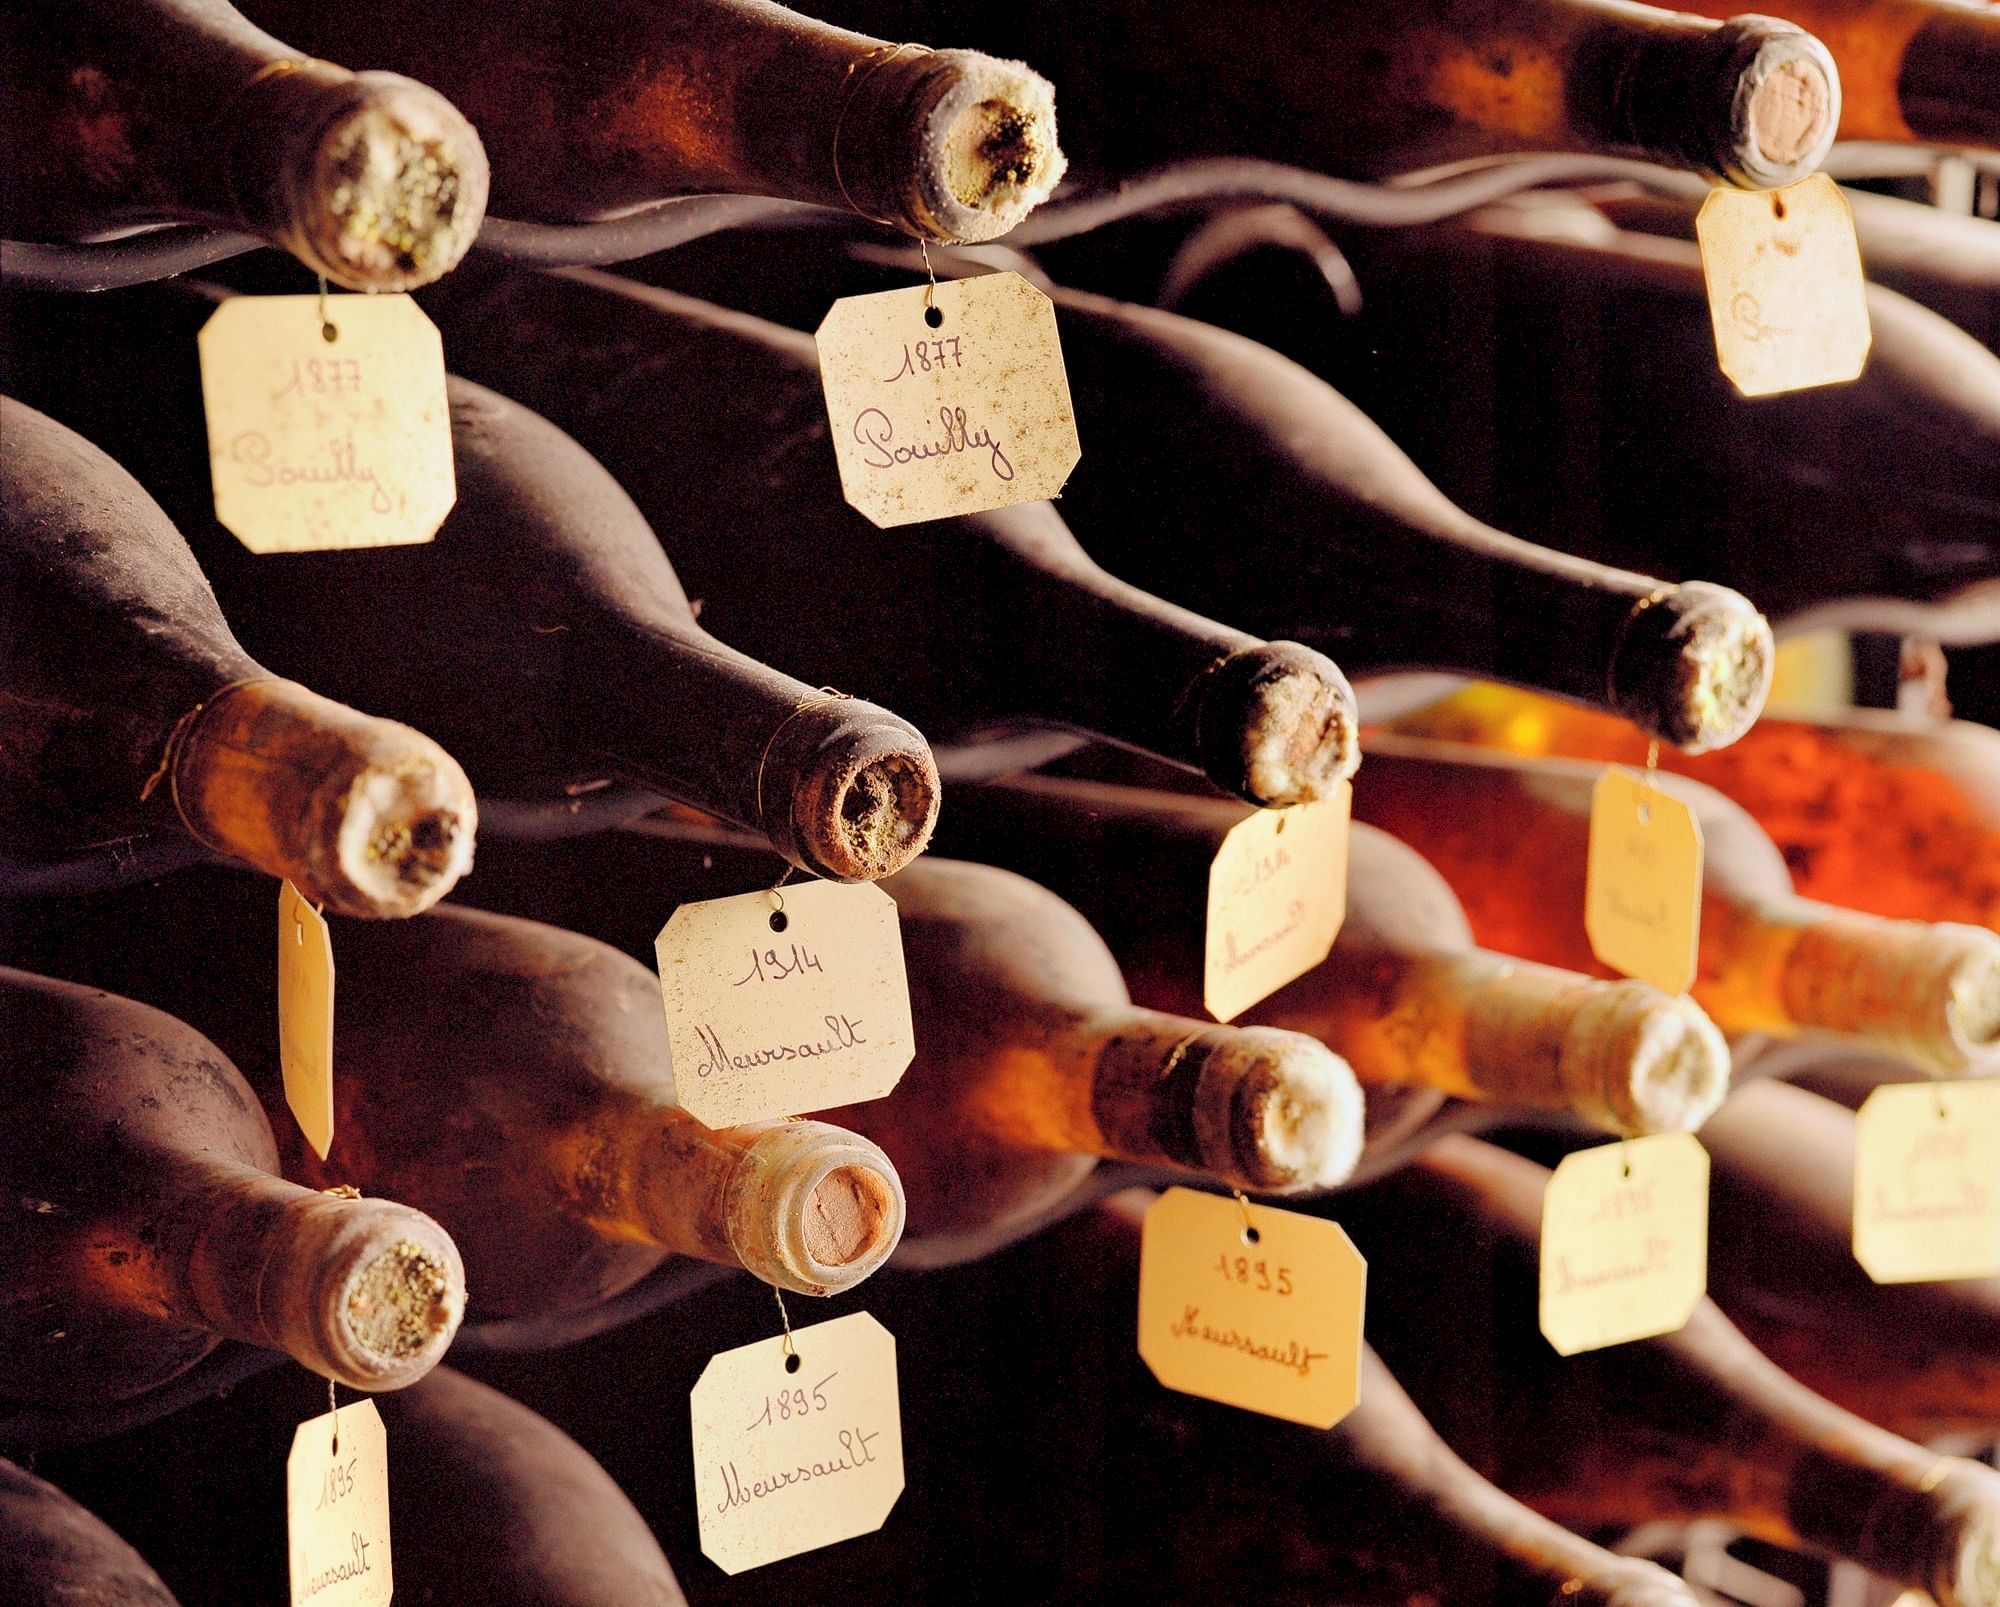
pixel 327 332
pixel 170 756
pixel 791 1351
pixel 873 62
pixel 333 1411
pixel 831 695
pixel 1250 1233
pixel 1625 1157
pixel 930 287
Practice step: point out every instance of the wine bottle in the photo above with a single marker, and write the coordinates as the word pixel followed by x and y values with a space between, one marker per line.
pixel 1405 998
pixel 148 1224
pixel 1665 468
pixel 1921 70
pixel 1695 1424
pixel 543 632
pixel 183 111
pixel 132 714
pixel 1922 1359
pixel 55 1553
pixel 1057 638
pixel 1872 810
pixel 632 101
pixel 547 1527
pixel 513 1081
pixel 1032 1063
pixel 1383 1506
pixel 1376 90
pixel 1512 836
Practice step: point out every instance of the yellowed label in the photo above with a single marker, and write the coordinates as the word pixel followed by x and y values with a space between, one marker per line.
pixel 784 1002
pixel 318 443
pixel 1927 1182
pixel 1251 1306
pixel 1785 289
pixel 1624 1242
pixel 947 399
pixel 337 1500
pixel 1642 893
pixel 794 1452
pixel 1277 894
pixel 305 1016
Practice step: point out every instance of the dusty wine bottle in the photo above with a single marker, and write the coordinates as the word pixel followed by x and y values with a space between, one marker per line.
pixel 132 713
pixel 1512 836
pixel 55 1553
pixel 183 111
pixel 634 101
pixel 1362 89
pixel 1693 1424
pixel 542 1132
pixel 1405 997
pixel 543 632
pixel 1922 1359
pixel 1061 641
pixel 149 1224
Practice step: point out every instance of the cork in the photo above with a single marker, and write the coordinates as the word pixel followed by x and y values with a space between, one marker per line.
pixel 363 815
pixel 1782 90
pixel 847 791
pixel 1276 724
pixel 1693 666
pixel 809 1206
pixel 1927 993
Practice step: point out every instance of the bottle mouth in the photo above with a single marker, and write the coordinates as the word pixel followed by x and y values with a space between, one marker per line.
pixel 1784 102
pixel 1972 1012
pixel 988 154
pixel 1692 666
pixel 405 838
pixel 396 1297
pixel 824 1208
pixel 1275 1110
pixel 1643 1062
pixel 853 790
pixel 1277 724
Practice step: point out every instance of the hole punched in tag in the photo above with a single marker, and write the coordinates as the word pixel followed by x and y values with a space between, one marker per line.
pixel 792 1359
pixel 327 331
pixel 1250 1235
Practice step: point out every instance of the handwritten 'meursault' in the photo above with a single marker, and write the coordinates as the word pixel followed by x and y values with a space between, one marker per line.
pixel 874 429
pixel 857 1450
pixel 1292 1354
pixel 843 1032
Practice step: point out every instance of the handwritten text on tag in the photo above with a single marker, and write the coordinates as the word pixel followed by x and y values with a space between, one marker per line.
pixel 1277 893
pixel 946 400
pixel 1927 1182
pixel 337 1500
pixel 785 1002
pixel 1642 889
pixel 1262 1314
pixel 317 444
pixel 1624 1242
pixel 792 1453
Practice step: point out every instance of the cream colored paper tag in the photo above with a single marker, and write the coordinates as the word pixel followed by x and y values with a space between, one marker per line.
pixel 1251 1306
pixel 789 1458
pixel 1624 1242
pixel 1277 893
pixel 947 399
pixel 1642 893
pixel 1785 289
pixel 1927 1182
pixel 317 444
pixel 784 1002
pixel 305 1016
pixel 337 1498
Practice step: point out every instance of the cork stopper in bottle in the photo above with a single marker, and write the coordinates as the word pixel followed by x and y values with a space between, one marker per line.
pixel 1929 994
pixel 813 1208
pixel 1693 666
pixel 847 790
pixel 365 815
pixel 1276 724
pixel 1782 93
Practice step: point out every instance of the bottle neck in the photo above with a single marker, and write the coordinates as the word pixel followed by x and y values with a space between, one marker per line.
pixel 1949 83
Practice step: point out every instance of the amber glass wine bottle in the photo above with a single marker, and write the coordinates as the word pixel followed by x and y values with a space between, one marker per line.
pixel 132 714
pixel 184 111
pixel 1381 89
pixel 512 1080
pixel 1512 836
pixel 55 1553
pixel 150 1225
pixel 1695 1424
pixel 1405 997
pixel 632 101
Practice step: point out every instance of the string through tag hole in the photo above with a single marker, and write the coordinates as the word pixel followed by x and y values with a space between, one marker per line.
pixel 934 316
pixel 784 1316
pixel 1249 1235
pixel 779 919
pixel 1777 206
pixel 333 1411
pixel 1625 1161
pixel 327 331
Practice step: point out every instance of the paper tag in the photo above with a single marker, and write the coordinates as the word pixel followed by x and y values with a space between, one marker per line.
pixel 1277 894
pixel 1264 1315
pixel 1785 289
pixel 1624 1242
pixel 785 1002
pixel 318 444
pixel 1642 889
pixel 337 1499
pixel 1927 1182
pixel 305 1016
pixel 947 399
pixel 791 1454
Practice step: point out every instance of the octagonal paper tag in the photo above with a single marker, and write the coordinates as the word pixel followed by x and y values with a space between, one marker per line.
pixel 1624 1242
pixel 947 399
pixel 1642 881
pixel 317 443
pixel 1927 1182
pixel 784 1002
pixel 794 1452
pixel 1251 1306
pixel 337 1502
pixel 1277 893
pixel 305 1016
